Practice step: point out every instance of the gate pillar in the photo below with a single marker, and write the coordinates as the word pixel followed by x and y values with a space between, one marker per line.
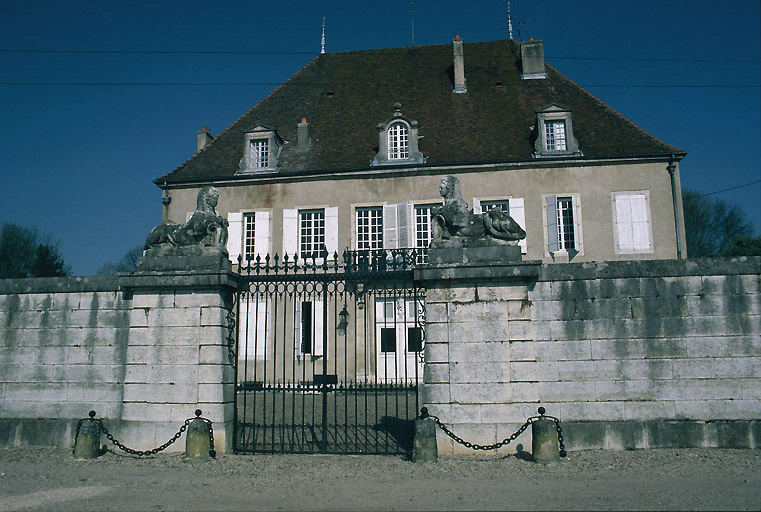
pixel 180 335
pixel 476 303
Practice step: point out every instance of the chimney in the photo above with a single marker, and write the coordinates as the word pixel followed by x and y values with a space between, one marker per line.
pixel 459 66
pixel 532 60
pixel 303 136
pixel 203 137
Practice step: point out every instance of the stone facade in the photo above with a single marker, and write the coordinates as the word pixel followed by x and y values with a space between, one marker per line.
pixel 626 354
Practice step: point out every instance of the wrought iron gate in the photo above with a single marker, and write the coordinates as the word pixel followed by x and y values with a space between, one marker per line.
pixel 329 353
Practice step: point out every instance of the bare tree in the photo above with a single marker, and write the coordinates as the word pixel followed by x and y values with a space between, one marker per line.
pixel 128 263
pixel 712 224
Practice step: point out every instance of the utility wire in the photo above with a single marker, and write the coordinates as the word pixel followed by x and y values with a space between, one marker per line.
pixel 380 52
pixel 728 189
pixel 172 84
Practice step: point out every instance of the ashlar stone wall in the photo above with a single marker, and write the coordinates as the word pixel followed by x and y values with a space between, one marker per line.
pixel 144 351
pixel 626 354
pixel 63 349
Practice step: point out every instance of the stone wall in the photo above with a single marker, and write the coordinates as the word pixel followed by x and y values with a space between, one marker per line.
pixel 626 354
pixel 63 348
pixel 143 350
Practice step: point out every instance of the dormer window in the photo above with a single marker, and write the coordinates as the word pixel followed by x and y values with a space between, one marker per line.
pixel 398 140
pixel 554 133
pixel 261 150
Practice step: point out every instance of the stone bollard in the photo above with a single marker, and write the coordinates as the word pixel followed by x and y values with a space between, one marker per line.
pixel 424 443
pixel 544 442
pixel 197 443
pixel 87 442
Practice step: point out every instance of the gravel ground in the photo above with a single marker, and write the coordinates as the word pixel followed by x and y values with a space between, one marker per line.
pixel 686 479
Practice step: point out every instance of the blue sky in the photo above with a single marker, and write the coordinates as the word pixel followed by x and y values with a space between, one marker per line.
pixel 77 160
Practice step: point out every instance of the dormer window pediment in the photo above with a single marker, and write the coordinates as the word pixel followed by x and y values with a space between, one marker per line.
pixel 398 140
pixel 554 133
pixel 261 149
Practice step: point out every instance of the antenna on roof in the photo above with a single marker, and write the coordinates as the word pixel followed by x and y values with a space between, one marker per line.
pixel 509 22
pixel 322 41
pixel 412 21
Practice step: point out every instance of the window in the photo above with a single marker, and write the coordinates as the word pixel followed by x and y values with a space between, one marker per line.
pixel 398 142
pixel 423 233
pixel 631 215
pixel 488 205
pixel 554 135
pixel 562 214
pixel 309 328
pixel 311 232
pixel 369 228
pixel 259 157
pixel 566 231
pixel 512 206
pixel 261 150
pixel 249 236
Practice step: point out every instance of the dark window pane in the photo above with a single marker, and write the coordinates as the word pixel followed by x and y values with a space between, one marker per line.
pixel 414 339
pixel 388 339
pixel 306 327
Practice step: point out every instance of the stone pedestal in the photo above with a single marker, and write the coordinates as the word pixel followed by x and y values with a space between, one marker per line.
pixel 476 304
pixel 177 356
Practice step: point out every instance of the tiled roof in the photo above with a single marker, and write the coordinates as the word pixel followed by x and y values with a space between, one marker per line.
pixel 345 95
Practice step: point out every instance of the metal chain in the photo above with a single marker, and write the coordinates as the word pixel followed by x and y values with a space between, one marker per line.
pixel 143 453
pixel 425 414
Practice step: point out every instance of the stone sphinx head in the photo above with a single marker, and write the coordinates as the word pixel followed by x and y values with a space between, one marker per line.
pixel 207 199
pixel 450 189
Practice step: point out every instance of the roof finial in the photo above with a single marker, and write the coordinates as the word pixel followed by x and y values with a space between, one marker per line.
pixel 509 21
pixel 322 41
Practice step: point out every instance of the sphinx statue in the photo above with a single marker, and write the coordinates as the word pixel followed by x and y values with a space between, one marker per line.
pixel 454 220
pixel 205 228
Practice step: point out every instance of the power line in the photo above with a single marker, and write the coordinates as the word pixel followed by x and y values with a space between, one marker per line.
pixel 301 84
pixel 368 52
pixel 730 188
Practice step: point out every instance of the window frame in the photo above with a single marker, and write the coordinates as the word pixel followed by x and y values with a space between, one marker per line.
pixel 374 236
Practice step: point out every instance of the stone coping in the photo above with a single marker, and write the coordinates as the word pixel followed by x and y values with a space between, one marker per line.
pixel 538 271
pixel 178 280
pixel 59 285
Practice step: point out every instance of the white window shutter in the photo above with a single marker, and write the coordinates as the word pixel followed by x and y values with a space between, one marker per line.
pixel 623 221
pixel 317 323
pixel 518 213
pixel 405 219
pixel 290 232
pixel 576 203
pixel 331 231
pixel 234 235
pixel 252 329
pixel 640 228
pixel 477 206
pixel 262 234
pixel 552 224
pixel 390 231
